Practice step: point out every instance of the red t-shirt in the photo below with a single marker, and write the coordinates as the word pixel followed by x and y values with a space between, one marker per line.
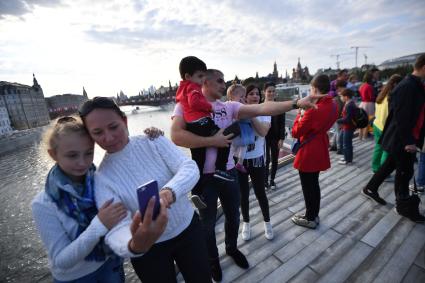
pixel 195 105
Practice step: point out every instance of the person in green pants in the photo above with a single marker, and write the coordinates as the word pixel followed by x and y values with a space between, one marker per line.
pixel 381 114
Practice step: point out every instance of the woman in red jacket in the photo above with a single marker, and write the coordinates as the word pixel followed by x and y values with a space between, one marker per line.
pixel 368 96
pixel 311 127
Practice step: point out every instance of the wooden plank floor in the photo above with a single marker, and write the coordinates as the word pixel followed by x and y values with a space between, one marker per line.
pixel 357 240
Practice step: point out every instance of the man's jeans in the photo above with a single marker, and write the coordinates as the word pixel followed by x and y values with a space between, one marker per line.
pixel 346 139
pixel 228 192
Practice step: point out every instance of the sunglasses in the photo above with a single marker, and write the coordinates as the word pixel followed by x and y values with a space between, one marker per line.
pixel 65 119
pixel 97 102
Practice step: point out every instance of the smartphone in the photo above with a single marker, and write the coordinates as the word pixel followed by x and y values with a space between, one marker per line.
pixel 144 193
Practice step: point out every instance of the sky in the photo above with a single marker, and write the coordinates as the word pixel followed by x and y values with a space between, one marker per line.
pixel 113 45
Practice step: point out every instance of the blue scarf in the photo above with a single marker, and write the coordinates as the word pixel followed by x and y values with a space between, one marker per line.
pixel 77 204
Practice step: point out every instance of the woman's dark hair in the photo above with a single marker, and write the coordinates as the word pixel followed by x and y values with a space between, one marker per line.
pixel 392 82
pixel 347 92
pixel 268 84
pixel 99 102
pixel 250 87
pixel 322 83
pixel 368 77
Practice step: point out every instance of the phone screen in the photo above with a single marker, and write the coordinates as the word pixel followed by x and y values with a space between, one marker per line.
pixel 144 193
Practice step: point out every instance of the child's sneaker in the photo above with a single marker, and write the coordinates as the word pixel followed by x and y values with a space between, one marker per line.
pixel 198 202
pixel 223 175
pixel 240 168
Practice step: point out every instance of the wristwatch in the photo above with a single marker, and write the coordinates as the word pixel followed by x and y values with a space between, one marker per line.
pixel 295 103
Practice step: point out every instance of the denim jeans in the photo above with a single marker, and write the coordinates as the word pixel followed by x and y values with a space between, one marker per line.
pixel 228 193
pixel 111 271
pixel 421 170
pixel 347 142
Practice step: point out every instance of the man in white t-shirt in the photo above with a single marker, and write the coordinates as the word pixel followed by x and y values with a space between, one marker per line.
pixel 212 189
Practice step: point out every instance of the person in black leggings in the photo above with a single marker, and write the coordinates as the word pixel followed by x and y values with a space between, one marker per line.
pixel 274 137
pixel 254 164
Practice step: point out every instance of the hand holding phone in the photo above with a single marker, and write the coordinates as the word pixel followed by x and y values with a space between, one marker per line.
pixel 144 193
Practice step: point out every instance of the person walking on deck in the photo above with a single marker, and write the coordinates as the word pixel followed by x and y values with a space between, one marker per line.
pixel 404 130
pixel 381 114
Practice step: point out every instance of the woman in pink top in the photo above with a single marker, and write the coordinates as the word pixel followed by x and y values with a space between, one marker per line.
pixel 368 101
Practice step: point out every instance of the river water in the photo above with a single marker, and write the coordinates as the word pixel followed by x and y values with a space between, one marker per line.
pixel 23 172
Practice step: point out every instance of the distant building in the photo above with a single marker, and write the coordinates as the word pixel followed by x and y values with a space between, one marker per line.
pixel 400 61
pixel 65 104
pixel 5 126
pixel 25 104
pixel 300 74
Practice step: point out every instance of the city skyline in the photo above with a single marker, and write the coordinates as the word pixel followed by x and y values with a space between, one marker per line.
pixel 108 46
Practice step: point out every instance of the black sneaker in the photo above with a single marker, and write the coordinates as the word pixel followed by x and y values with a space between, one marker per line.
pixel 272 185
pixel 339 152
pixel 266 185
pixel 239 259
pixel 373 195
pixel 333 148
pixel 223 175
pixel 216 273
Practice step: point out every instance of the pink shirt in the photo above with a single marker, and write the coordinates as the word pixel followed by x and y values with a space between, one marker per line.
pixel 223 114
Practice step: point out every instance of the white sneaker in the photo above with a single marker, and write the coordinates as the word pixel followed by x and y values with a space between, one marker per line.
pixel 246 231
pixel 268 230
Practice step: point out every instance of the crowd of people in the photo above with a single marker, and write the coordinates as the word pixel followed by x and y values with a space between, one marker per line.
pixel 88 217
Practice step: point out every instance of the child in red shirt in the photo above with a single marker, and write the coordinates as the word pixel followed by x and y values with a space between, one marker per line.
pixel 197 112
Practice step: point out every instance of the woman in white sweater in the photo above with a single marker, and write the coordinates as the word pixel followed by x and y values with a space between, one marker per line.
pixel 65 213
pixel 130 162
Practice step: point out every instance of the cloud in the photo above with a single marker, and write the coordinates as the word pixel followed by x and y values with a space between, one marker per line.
pixel 19 8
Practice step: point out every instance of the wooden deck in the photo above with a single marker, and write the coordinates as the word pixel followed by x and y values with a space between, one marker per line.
pixel 357 240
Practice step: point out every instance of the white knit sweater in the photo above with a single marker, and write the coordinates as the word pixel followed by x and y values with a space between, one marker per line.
pixel 121 173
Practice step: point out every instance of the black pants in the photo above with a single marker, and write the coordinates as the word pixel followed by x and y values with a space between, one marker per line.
pixel 272 154
pixel 403 163
pixel 311 192
pixel 188 250
pixel 255 168
pixel 206 127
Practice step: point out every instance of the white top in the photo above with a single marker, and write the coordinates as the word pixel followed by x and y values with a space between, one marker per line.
pixel 56 229
pixel 257 149
pixel 121 173
pixel 224 113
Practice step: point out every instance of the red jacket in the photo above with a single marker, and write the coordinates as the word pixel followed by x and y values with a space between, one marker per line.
pixel 366 92
pixel 195 105
pixel 313 156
